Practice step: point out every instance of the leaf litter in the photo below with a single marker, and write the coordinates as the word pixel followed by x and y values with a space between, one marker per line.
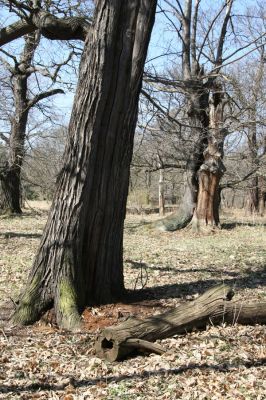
pixel 161 270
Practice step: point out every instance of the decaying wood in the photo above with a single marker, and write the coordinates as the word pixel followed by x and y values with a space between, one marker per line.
pixel 214 306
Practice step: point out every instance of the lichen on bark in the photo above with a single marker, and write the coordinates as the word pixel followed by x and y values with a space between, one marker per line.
pixel 66 307
pixel 29 304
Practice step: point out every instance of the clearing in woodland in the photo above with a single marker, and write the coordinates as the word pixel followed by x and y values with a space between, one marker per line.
pixel 162 270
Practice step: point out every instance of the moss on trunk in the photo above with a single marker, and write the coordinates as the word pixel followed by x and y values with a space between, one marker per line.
pixel 30 304
pixel 66 306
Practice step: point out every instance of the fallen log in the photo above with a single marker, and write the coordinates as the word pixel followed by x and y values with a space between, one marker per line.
pixel 214 306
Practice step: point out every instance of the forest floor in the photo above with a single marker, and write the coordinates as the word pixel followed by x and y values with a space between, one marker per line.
pixel 222 362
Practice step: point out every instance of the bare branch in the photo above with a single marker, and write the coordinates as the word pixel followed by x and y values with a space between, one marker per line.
pixel 44 95
pixel 71 28
pixel 209 30
pixel 220 46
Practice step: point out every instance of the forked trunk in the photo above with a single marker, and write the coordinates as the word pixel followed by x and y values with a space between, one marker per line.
pixel 80 256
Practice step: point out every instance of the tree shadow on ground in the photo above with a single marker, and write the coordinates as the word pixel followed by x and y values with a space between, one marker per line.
pixel 10 235
pixel 144 266
pixel 233 225
pixel 251 280
pixel 219 368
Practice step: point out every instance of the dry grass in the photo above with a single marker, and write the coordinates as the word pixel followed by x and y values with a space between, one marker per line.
pixel 226 362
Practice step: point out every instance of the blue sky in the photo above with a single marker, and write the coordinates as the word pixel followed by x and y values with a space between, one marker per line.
pixel 161 41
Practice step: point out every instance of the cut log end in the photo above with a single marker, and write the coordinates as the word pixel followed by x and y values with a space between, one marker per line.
pixel 110 350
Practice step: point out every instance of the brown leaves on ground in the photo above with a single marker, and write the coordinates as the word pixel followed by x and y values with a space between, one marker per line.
pixel 226 362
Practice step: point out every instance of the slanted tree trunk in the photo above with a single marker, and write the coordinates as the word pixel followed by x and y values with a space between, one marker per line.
pixel 80 261
pixel 214 306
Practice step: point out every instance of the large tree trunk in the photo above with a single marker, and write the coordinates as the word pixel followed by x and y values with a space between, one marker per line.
pixel 206 212
pixel 79 261
pixel 11 190
pixel 214 306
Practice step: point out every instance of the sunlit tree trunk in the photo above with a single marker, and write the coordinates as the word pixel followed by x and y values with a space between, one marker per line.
pixel 80 261
pixel 212 169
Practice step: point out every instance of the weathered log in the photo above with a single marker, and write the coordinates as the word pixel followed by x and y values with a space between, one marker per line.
pixel 214 306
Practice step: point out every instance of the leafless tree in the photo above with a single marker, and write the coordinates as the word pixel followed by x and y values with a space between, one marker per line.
pixel 204 57
pixel 21 103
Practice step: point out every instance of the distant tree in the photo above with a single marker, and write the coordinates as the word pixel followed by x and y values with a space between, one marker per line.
pixel 20 72
pixel 204 54
pixel 33 78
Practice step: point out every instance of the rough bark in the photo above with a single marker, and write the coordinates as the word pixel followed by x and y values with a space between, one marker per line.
pixel 207 210
pixel 214 306
pixel 79 261
pixel 51 27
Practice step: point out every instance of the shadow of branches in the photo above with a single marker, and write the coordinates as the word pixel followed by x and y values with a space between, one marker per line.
pixel 251 280
pixel 220 368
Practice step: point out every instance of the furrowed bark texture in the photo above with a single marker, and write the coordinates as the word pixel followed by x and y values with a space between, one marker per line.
pixel 214 306
pixel 206 213
pixel 80 256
